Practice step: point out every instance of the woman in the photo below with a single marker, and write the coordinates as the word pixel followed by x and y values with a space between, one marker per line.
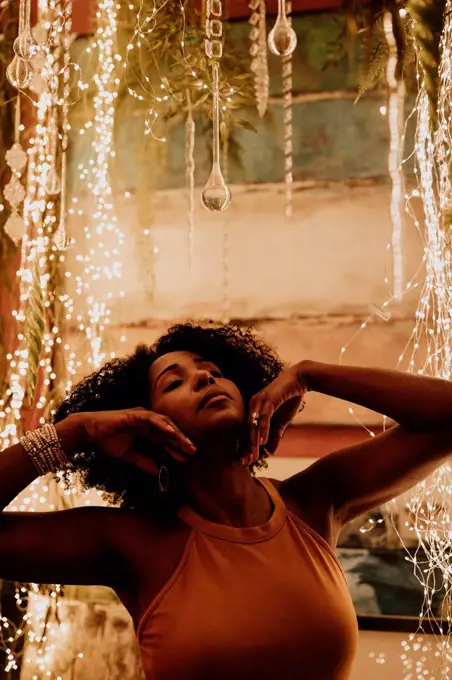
pixel 225 575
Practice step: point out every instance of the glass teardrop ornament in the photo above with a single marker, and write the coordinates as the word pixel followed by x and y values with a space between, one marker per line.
pixel 25 46
pixel 53 183
pixel 282 39
pixel 216 195
pixel 19 73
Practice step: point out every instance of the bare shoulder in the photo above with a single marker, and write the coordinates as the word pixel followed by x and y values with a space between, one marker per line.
pixel 147 551
pixel 134 532
pixel 306 500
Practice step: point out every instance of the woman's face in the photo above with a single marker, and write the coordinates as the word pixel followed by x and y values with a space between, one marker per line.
pixel 194 394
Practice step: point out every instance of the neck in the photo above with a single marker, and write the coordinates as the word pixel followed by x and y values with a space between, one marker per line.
pixel 224 494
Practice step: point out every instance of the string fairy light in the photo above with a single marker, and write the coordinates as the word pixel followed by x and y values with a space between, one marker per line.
pixel 39 335
pixel 36 338
pixel 396 106
pixel 60 238
pixel 428 506
pixel 103 237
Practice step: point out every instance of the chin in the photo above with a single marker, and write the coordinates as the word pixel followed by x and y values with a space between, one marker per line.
pixel 225 420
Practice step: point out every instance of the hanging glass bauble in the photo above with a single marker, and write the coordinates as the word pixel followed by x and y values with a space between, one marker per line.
pixel 53 183
pixel 25 46
pixel 60 239
pixel 216 195
pixel 282 39
pixel 19 73
pixel 15 227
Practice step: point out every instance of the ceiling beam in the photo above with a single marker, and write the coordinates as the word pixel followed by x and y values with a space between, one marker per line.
pixel 84 11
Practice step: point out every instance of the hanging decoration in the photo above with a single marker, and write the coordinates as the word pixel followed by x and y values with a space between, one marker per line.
pixel 19 71
pixel 286 61
pixel 61 241
pixel 429 351
pixel 190 132
pixel 428 505
pixel 14 192
pixel 37 366
pixel 34 329
pixel 282 39
pixel 216 195
pixel 102 261
pixel 396 119
pixel 258 52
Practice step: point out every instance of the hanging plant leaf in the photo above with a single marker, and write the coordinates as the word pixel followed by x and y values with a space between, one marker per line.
pixel 34 330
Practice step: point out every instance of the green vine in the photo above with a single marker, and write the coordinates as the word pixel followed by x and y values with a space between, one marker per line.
pixel 161 59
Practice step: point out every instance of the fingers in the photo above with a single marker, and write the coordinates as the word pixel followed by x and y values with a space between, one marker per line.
pixel 177 454
pixel 162 430
pixel 261 413
pixel 275 436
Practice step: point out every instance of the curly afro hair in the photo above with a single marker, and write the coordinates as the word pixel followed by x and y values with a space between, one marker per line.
pixel 123 383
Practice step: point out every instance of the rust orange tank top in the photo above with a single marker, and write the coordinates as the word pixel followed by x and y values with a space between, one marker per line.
pixel 258 603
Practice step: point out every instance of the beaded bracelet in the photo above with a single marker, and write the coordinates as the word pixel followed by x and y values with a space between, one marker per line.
pixel 44 448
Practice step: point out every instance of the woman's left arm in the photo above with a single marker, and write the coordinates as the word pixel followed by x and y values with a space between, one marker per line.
pixel 364 476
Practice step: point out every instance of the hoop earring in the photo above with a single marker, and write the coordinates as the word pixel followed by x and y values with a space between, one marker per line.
pixel 163 479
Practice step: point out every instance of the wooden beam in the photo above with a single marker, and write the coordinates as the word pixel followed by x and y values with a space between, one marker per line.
pixel 84 11
pixel 238 9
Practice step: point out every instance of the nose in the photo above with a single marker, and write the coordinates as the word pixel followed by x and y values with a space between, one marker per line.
pixel 202 379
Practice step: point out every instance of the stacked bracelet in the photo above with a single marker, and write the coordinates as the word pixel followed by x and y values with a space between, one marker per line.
pixel 44 448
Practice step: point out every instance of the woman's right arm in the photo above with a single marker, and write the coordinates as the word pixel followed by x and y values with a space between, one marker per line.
pixel 68 547
pixel 81 546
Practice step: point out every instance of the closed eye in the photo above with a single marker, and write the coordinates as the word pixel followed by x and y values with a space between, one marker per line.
pixel 173 385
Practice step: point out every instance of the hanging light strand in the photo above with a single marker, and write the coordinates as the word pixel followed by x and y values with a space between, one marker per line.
pixel 396 87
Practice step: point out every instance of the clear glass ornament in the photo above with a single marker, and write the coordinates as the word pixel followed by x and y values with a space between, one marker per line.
pixel 282 39
pixel 60 239
pixel 53 183
pixel 25 46
pixel 19 73
pixel 216 195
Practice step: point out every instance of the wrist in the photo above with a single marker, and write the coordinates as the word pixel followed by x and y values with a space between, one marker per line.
pixel 304 372
pixel 71 432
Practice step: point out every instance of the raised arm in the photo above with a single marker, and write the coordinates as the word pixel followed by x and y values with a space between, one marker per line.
pixel 361 477
pixel 71 546
pixel 81 546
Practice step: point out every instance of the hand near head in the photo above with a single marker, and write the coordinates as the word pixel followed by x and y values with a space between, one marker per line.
pixel 116 434
pixel 272 409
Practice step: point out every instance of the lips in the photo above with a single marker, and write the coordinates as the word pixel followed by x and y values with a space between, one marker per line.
pixel 210 395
